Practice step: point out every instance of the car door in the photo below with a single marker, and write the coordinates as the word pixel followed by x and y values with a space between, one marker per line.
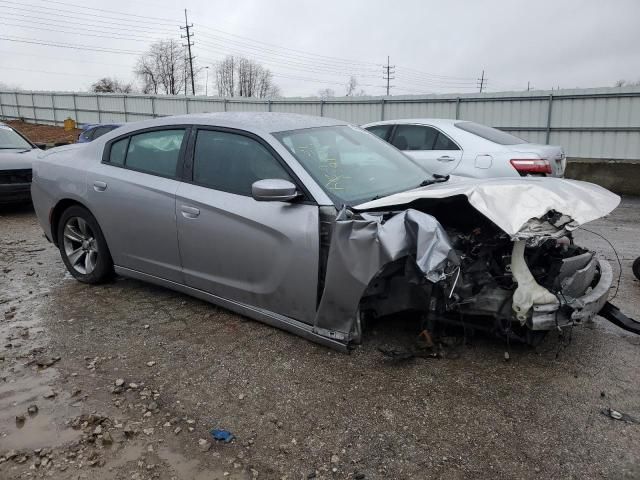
pixel 132 194
pixel 264 254
pixel 429 147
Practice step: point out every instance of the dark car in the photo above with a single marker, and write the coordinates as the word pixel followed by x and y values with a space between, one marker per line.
pixel 93 131
pixel 16 155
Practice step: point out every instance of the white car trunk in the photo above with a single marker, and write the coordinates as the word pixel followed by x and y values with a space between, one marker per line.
pixel 553 153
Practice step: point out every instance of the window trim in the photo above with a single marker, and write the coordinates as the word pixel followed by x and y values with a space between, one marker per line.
pixel 398 125
pixel 106 153
pixel 187 172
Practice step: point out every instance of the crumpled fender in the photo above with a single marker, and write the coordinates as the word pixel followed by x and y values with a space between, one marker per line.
pixel 511 203
pixel 361 246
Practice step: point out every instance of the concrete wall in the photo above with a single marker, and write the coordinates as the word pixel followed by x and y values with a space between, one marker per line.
pixel 621 177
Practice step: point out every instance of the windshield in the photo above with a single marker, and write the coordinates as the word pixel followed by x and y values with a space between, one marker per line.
pixel 351 165
pixel 488 133
pixel 10 139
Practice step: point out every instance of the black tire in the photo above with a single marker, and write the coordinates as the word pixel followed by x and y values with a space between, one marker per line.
pixel 84 242
pixel 636 268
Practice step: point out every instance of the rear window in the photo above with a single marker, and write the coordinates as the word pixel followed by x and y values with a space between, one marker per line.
pixel 488 133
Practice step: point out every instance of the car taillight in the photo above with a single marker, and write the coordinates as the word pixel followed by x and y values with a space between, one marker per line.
pixel 525 166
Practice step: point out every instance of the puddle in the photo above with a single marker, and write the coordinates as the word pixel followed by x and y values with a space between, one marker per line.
pixel 44 429
pixel 22 384
pixel 186 469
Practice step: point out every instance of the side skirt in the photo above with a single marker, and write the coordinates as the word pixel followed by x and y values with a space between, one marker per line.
pixel 270 318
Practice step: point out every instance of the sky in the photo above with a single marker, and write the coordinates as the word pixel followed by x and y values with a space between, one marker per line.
pixel 435 46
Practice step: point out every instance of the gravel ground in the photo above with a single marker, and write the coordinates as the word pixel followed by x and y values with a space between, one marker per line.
pixel 128 378
pixel 44 133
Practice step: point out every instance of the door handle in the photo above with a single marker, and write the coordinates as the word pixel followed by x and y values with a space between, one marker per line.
pixel 99 186
pixel 189 212
pixel 445 158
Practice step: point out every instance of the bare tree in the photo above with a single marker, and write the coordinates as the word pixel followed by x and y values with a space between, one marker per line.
pixel 163 69
pixel 626 83
pixel 111 85
pixel 352 88
pixel 326 93
pixel 224 73
pixel 239 76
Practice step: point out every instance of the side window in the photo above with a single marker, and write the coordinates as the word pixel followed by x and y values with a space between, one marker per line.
pixel 118 152
pixel 232 163
pixel 88 134
pixel 414 137
pixel 444 143
pixel 155 152
pixel 381 131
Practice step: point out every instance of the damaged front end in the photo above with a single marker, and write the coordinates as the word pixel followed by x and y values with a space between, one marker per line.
pixel 446 259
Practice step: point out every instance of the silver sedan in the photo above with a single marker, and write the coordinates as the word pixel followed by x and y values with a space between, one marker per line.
pixel 469 149
pixel 317 226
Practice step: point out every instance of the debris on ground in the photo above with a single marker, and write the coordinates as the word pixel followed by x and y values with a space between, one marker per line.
pixel 616 415
pixel 204 445
pixel 222 435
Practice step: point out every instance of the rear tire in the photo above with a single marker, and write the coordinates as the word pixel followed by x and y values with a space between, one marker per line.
pixel 636 268
pixel 82 246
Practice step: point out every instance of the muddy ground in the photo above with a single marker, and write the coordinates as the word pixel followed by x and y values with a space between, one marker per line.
pixel 47 134
pixel 136 375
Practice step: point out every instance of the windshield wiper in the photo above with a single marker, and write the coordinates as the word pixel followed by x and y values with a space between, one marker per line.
pixel 437 178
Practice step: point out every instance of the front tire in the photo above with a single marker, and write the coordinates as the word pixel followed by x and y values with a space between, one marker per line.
pixel 82 246
pixel 636 268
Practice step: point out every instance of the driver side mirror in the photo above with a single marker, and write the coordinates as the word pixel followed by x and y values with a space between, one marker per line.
pixel 274 189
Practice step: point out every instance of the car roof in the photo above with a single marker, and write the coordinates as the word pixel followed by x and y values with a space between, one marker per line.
pixel 409 121
pixel 262 122
pixel 95 125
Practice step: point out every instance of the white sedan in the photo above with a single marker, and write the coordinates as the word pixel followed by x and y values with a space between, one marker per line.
pixel 469 149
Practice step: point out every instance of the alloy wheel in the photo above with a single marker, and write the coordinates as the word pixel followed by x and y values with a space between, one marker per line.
pixel 80 245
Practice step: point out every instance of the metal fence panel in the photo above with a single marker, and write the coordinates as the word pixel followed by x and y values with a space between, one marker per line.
pixel 589 123
pixel 442 109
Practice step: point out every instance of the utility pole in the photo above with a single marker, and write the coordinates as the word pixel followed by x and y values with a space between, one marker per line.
pixel 482 82
pixel 528 86
pixel 387 72
pixel 206 82
pixel 189 45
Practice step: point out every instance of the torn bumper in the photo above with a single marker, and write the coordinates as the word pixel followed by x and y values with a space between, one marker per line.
pixel 571 311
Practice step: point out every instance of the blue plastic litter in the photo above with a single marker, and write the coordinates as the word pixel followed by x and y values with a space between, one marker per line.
pixel 222 435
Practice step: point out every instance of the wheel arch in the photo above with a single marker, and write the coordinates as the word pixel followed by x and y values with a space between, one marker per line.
pixel 56 214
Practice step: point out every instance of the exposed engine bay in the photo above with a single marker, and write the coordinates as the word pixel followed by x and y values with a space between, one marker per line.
pixel 498 286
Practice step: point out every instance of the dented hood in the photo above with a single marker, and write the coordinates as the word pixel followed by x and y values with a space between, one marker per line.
pixel 511 203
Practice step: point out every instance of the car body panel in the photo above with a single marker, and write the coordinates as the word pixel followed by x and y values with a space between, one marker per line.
pixel 232 263
pixel 137 213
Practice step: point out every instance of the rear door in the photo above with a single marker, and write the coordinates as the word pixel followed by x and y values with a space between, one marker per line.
pixel 263 254
pixel 132 195
pixel 429 147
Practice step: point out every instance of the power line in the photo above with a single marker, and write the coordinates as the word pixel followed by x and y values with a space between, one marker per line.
pixel 71 32
pixel 387 72
pixel 71 46
pixel 83 19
